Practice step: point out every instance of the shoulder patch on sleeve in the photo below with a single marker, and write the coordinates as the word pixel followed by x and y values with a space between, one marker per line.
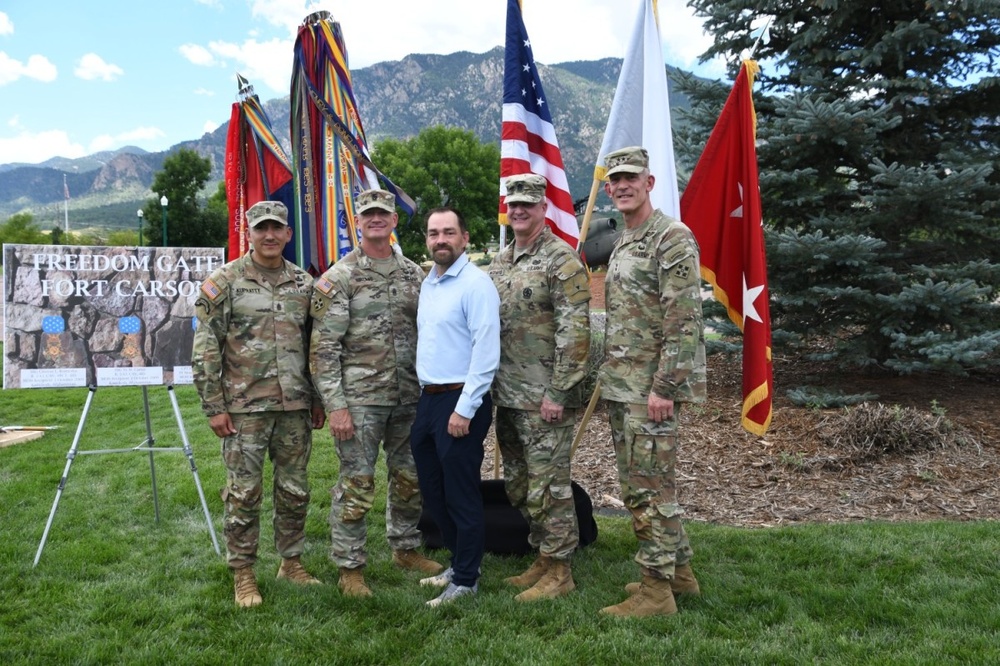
pixel 210 290
pixel 568 266
pixel 318 306
pixel 574 278
pixel 683 271
pixel 324 286
pixel 324 290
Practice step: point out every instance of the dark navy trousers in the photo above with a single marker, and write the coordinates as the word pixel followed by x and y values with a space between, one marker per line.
pixel 448 472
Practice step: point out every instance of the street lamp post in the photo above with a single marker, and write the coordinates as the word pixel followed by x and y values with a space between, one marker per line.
pixel 139 214
pixel 163 202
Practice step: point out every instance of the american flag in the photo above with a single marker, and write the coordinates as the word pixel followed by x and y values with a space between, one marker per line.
pixel 529 143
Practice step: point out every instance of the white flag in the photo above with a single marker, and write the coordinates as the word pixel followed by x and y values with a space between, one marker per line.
pixel 640 113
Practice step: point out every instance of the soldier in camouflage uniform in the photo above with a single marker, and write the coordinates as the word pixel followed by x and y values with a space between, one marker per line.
pixel 362 356
pixel 654 361
pixel 250 367
pixel 544 344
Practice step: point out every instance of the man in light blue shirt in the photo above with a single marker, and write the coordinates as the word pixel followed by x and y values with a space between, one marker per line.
pixel 458 352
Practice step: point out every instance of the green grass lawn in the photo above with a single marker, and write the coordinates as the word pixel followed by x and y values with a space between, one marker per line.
pixel 113 586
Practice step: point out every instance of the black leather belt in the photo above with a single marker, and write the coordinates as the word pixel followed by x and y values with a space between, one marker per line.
pixel 442 388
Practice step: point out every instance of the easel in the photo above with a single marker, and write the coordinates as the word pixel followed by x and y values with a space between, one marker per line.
pixel 146 446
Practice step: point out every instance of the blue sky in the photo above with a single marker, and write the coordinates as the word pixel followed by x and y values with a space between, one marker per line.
pixel 77 76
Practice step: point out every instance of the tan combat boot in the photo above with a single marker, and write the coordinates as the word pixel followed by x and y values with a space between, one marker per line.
pixel 653 598
pixel 414 561
pixel 291 569
pixel 557 581
pixel 533 574
pixel 352 583
pixel 245 582
pixel 683 582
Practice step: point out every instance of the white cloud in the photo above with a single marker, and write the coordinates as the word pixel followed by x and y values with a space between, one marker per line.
pixel 210 126
pixel 139 135
pixel 92 66
pixel 217 4
pixel 593 29
pixel 456 25
pixel 288 14
pixel 268 63
pixel 32 148
pixel 683 38
pixel 197 55
pixel 204 92
pixel 6 25
pixel 38 68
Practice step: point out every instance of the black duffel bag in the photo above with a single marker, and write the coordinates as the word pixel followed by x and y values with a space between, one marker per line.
pixel 506 528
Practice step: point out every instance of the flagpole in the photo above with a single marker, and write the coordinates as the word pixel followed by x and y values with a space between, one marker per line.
pixel 595 396
pixel 588 214
pixel 591 406
pixel 753 49
pixel 65 205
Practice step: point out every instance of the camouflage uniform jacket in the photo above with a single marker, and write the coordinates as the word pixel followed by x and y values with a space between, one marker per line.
pixel 364 340
pixel 544 323
pixel 654 335
pixel 249 351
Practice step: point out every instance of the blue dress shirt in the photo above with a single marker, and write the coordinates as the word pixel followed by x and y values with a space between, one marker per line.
pixel 458 332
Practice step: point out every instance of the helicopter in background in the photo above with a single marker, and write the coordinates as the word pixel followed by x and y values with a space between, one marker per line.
pixel 601 237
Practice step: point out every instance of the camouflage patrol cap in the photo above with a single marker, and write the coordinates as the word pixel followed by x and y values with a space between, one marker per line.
pixel 380 199
pixel 525 188
pixel 263 211
pixel 633 159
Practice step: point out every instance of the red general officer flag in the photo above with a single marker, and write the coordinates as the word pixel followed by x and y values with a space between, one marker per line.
pixel 721 205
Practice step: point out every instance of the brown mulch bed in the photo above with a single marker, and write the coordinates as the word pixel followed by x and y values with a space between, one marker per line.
pixel 928 447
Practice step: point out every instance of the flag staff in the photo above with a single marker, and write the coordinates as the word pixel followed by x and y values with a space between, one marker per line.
pixel 588 213
pixel 65 205
pixel 753 49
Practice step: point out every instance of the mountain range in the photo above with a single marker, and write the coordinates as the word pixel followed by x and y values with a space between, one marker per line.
pixel 396 99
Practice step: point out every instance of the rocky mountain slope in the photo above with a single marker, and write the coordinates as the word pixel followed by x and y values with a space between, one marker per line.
pixel 397 99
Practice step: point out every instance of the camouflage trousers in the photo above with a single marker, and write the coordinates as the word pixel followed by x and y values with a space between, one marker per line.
pixel 354 494
pixel 536 468
pixel 646 453
pixel 285 438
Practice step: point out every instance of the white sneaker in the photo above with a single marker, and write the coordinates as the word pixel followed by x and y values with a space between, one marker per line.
pixel 453 592
pixel 443 579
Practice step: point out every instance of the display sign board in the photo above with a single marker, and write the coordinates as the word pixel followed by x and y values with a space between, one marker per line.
pixel 100 316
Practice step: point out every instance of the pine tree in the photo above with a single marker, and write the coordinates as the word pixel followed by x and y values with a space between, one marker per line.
pixel 879 154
